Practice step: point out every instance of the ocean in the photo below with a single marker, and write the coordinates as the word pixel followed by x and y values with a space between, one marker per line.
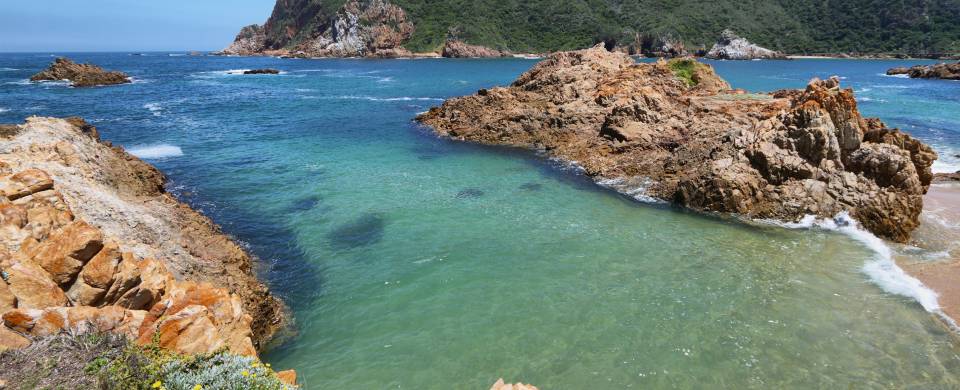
pixel 416 262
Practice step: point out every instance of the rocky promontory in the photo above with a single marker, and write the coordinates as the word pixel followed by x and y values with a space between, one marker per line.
pixel 676 132
pixel 730 46
pixel 80 75
pixel 91 243
pixel 945 71
pixel 359 28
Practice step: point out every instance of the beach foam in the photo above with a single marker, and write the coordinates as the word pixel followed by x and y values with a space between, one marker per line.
pixel 156 151
pixel 948 162
pixel 899 76
pixel 882 269
pixel 383 99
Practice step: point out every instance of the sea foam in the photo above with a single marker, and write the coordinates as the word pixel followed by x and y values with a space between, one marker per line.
pixel 3 110
pixel 881 269
pixel 156 151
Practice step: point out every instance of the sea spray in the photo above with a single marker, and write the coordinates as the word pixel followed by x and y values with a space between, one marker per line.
pixel 157 151
pixel 882 269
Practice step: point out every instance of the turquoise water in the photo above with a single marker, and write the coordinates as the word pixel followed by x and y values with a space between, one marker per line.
pixel 415 262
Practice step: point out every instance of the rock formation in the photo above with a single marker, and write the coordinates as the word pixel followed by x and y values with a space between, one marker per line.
pixel 944 71
pixel 89 241
pixel 360 28
pixel 732 47
pixel 80 75
pixel 261 71
pixel 455 48
pixel 676 132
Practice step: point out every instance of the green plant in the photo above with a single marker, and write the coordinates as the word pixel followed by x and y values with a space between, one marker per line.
pixel 685 69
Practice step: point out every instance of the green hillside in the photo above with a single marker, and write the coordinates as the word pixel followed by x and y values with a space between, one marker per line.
pixel 804 26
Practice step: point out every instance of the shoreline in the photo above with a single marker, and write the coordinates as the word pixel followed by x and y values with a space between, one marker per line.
pixel 938 266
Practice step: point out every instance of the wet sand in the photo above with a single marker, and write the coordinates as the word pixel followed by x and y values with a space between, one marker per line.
pixel 937 262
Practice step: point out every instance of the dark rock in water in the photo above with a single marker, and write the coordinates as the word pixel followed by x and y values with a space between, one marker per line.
pixel 305 204
pixel 363 231
pixel 80 75
pixel 262 71
pixel 898 70
pixel 531 186
pixel 470 193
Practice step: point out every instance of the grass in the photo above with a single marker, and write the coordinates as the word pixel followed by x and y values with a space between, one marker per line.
pixel 684 69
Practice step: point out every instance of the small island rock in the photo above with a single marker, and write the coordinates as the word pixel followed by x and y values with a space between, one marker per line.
pixel 80 75
pixel 261 71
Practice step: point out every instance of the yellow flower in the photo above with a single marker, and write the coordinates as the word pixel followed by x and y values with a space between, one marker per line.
pixel 156 385
pixel 197 387
pixel 268 365
pixel 245 373
pixel 254 364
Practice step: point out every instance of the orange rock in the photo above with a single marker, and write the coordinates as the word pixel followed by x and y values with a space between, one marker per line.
pixel 189 330
pixel 511 386
pixel 67 250
pixel 126 278
pixel 21 320
pixel 76 320
pixel 33 287
pixel 153 282
pixel 96 277
pixel 289 377
pixel 26 183
pixel 7 299
pixel 11 340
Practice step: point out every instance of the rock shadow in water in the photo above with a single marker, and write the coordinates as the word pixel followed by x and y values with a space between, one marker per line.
pixel 470 193
pixel 363 231
pixel 305 204
pixel 531 186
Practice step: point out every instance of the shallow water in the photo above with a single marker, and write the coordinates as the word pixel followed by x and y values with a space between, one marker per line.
pixel 415 262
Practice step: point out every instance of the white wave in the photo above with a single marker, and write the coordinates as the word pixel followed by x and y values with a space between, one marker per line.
pixel 899 76
pixel 3 110
pixel 19 82
pixel 8 69
pixel 156 151
pixel 948 160
pixel 176 55
pixel 636 188
pixel 870 99
pixel 305 90
pixel 882 269
pixel 385 80
pixel 154 108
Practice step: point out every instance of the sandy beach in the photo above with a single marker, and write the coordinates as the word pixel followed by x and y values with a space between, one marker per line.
pixel 938 238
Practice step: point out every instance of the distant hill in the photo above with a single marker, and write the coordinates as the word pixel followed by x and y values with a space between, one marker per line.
pixel 917 27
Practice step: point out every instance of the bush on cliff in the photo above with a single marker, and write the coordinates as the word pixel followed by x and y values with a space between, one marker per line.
pixel 108 361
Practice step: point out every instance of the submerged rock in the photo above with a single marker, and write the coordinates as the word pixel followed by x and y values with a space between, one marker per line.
pixel 470 193
pixel 944 71
pixel 363 231
pixel 80 75
pixel 454 48
pixel 730 46
pixel 261 71
pixel 678 128
pixel 500 385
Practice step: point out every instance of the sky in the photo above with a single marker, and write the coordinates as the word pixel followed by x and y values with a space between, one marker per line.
pixel 125 25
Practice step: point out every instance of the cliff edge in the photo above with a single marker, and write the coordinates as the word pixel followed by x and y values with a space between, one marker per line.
pixel 676 132
pixel 91 242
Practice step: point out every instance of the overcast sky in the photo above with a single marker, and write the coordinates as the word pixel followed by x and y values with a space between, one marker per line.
pixel 125 25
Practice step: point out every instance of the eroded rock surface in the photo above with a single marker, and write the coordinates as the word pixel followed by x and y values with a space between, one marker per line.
pixel 668 132
pixel 946 71
pixel 89 241
pixel 730 46
pixel 360 28
pixel 80 75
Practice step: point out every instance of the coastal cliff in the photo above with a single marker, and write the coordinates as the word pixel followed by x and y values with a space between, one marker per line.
pixel 922 29
pixel 92 243
pixel 675 132
pixel 367 28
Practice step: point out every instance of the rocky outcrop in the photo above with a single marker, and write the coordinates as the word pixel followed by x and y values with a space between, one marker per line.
pixel 250 41
pixel 80 75
pixel 261 71
pixel 360 28
pixel 454 48
pixel 947 177
pixel 944 71
pixel 90 242
pixel 732 47
pixel 677 133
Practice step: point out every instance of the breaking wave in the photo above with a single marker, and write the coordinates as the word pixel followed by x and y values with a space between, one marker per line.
pixel 881 269
pixel 157 151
